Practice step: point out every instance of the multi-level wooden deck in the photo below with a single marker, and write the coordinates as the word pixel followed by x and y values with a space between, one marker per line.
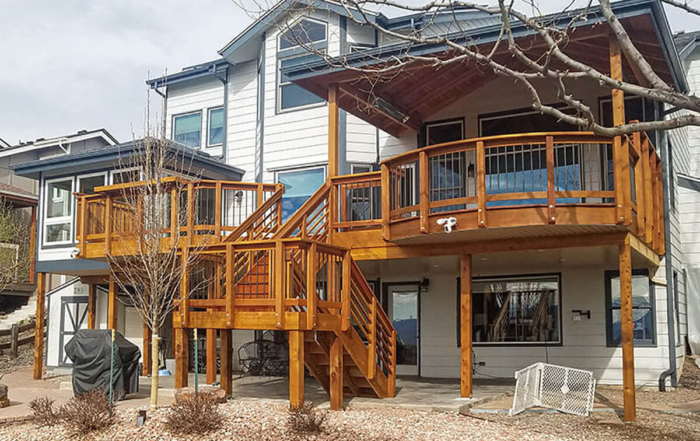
pixel 513 192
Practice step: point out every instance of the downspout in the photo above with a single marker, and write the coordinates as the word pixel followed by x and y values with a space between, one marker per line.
pixel 662 139
pixel 165 108
pixel 224 80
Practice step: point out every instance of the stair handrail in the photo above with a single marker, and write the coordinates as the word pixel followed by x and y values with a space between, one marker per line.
pixel 296 221
pixel 238 234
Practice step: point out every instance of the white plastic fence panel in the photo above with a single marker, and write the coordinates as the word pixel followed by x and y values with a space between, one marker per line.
pixel 556 387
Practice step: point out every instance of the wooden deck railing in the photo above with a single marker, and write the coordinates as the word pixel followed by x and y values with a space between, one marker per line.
pixel 358 202
pixel 549 170
pixel 204 209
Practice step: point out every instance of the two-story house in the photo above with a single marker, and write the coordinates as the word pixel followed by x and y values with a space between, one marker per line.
pixel 435 227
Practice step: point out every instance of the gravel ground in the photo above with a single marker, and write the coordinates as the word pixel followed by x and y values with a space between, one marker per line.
pixel 25 357
pixel 606 426
pixel 260 421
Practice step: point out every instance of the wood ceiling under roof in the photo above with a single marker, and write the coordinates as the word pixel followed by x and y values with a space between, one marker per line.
pixel 421 89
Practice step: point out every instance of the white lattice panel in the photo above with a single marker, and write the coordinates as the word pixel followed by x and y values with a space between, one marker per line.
pixel 557 387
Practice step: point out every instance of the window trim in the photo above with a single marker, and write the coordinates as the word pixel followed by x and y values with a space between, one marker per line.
pixel 46 221
pixel 90 175
pixel 122 170
pixel 178 115
pixel 278 89
pixel 209 110
pixel 296 22
pixel 547 344
pixel 354 165
pixel 609 276
pixel 444 122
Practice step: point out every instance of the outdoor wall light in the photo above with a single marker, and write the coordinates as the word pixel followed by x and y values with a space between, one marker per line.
pixel 470 171
pixel 424 284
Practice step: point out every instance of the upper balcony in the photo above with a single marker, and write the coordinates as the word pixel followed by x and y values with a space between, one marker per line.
pixel 508 187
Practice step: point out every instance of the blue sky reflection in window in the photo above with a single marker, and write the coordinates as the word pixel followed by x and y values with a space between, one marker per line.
pixel 299 185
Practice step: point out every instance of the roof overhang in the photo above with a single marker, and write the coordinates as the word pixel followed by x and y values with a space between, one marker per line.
pixel 53 142
pixel 199 162
pixel 203 70
pixel 16 197
pixel 403 101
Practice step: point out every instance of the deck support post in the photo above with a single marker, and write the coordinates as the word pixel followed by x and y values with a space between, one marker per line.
pixel 181 357
pixel 112 304
pixel 147 350
pixel 92 305
pixel 39 326
pixel 211 356
pixel 296 369
pixel 333 131
pixel 465 306
pixel 32 247
pixel 226 361
pixel 620 148
pixel 336 374
pixel 627 329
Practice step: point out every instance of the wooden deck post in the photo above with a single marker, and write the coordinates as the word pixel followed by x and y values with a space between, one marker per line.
pixel 92 305
pixel 465 306
pixel 296 369
pixel 620 159
pixel 211 356
pixel 333 131
pixel 336 374
pixel 311 295
pixel 551 195
pixel 226 361
pixel 181 357
pixel 627 330
pixel 648 192
pixel 481 183
pixel 112 305
pixel 39 326
pixel 386 202
pixel 424 199
pixel 147 350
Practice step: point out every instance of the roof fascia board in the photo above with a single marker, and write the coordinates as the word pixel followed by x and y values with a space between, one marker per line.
pixel 483 35
pixel 205 70
pixel 270 17
pixel 70 140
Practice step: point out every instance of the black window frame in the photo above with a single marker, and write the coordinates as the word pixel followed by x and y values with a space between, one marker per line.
pixel 542 344
pixel 610 343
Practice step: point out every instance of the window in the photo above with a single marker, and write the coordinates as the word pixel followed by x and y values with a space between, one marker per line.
pixel 87 184
pixel 289 95
pixel 57 217
pixel 187 129
pixel 299 185
pixel 642 308
pixel 216 126
pixel 446 131
pixel 515 310
pixel 304 32
pixel 360 168
pixel 124 176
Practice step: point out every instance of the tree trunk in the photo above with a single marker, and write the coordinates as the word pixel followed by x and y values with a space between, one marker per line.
pixel 154 370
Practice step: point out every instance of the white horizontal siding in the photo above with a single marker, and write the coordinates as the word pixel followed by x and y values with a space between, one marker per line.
pixel 242 115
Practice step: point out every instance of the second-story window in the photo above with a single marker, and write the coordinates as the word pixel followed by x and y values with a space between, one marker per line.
pixel 304 34
pixel 216 126
pixel 58 219
pixel 187 129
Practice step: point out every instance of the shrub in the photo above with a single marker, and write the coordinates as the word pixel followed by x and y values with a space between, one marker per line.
pixel 87 413
pixel 195 414
pixel 306 419
pixel 43 412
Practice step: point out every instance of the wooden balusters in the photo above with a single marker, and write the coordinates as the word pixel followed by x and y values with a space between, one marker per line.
pixel 108 225
pixel 372 347
pixel 217 210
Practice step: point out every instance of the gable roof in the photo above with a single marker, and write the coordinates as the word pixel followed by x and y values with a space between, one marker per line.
pixel 106 158
pixel 43 143
pixel 686 42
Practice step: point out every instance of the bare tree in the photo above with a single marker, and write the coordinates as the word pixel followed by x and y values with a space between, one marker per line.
pixel 15 258
pixel 537 62
pixel 153 252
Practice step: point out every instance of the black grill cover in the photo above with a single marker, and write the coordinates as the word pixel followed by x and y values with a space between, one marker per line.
pixel 90 350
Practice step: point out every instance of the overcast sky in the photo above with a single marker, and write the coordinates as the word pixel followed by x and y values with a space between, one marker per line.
pixel 82 64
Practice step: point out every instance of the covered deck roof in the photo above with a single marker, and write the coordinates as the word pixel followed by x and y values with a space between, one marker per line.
pixel 395 103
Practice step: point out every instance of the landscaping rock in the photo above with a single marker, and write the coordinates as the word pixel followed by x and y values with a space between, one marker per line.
pixel 4 399
pixel 218 392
